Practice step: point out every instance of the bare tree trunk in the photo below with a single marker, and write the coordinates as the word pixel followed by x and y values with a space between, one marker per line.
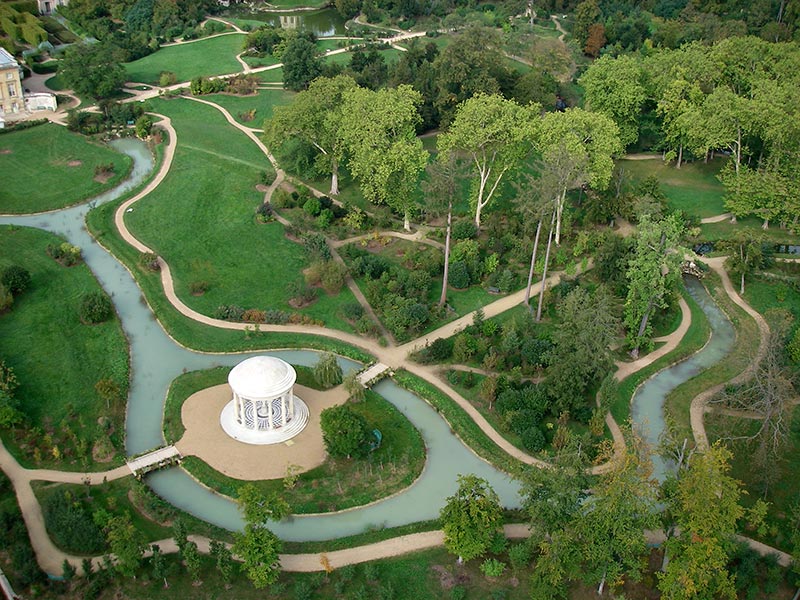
pixel 544 270
pixel 559 212
pixel 443 297
pixel 741 257
pixel 533 263
pixel 680 156
pixel 334 178
pixel 602 585
pixel 765 224
pixel 642 327
pixel 406 221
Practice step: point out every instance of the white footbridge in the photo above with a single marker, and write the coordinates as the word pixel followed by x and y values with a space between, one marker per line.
pixel 157 459
pixel 373 374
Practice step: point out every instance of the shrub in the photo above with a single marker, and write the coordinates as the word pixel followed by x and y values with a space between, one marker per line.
pixel 312 207
pixel 264 212
pixel 533 439
pixel 167 78
pixel 281 198
pixel 254 315
pixel 15 279
pixel 324 219
pixel 507 281
pixel 327 372
pixel 370 266
pixel 70 524
pixel 463 230
pixel 229 312
pixel 143 126
pixel 301 293
pixel 440 349
pixel 333 277
pixel 95 308
pixel 458 276
pixel 105 169
pixel 316 246
pixel 520 556
pixel 149 261
pixel 6 298
pixel 344 431
pixel 65 253
pixel 352 311
pixel 492 567
pixel 276 317
pixel 198 287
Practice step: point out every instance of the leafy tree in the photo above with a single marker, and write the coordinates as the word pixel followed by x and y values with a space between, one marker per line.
pixel 126 543
pixel 314 116
pixel 259 508
pixel 587 13
pixel 179 533
pixel 344 431
pixel 159 564
pixel 653 273
pixel 327 371
pixel 614 86
pixel 385 155
pixel 224 560
pixel 92 70
pixel 611 530
pixel 259 549
pixel 15 279
pixel 745 254
pixel 577 148
pixel 532 207
pixel 440 190
pixel 495 135
pixel 301 62
pixel 95 308
pixel 471 518
pixel 705 507
pixel 581 355
pixel 191 559
pixel 354 387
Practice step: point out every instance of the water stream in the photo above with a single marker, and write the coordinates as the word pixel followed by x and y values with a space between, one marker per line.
pixel 156 360
pixel 647 409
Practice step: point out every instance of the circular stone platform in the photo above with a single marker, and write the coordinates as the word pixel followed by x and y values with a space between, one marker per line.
pixel 263 436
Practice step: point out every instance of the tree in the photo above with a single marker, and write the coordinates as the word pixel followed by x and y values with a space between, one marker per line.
pixel 596 40
pixel 159 564
pixel 471 518
pixel 440 189
pixel 356 390
pixel 15 279
pixel 653 273
pixel 91 70
pixel 301 62
pixel 611 529
pixel 314 116
pixel 495 135
pixel 385 156
pixel 587 13
pixel 126 543
pixel 191 559
pixel 327 371
pixel 705 507
pixel 344 431
pixel 614 86
pixel 581 354
pixel 577 148
pixel 532 207
pixel 224 560
pixel 179 533
pixel 257 546
pixel 745 254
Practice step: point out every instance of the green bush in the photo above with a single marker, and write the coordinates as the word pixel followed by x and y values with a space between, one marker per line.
pixel 344 432
pixel 533 439
pixel 492 567
pixel 463 230
pixel 312 207
pixel 15 279
pixel 520 556
pixel 70 525
pixel 458 276
pixel 95 307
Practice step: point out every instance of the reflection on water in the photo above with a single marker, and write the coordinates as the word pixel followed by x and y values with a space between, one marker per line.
pixel 324 23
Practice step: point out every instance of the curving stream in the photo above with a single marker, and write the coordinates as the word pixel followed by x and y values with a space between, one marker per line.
pixel 156 360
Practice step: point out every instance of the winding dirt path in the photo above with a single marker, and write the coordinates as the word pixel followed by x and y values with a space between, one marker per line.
pixel 699 404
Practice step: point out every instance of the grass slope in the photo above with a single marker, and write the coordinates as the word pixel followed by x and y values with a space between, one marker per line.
pixel 36 174
pixel 212 56
pixel 263 102
pixel 56 358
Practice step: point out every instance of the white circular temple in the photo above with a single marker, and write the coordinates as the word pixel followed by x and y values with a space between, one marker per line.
pixel 264 409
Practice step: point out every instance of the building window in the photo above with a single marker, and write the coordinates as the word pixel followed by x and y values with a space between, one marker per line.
pixel 12 91
pixel 9 75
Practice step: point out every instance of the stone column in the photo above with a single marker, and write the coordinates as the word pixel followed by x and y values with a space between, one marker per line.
pixel 269 412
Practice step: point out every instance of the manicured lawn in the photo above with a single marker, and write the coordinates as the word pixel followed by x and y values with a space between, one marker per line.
pixel 338 483
pixel 693 188
pixel 391 55
pixel 271 75
pixel 765 294
pixel 723 230
pixel 214 56
pixel 48 167
pixel 56 358
pixel 263 102
pixel 201 219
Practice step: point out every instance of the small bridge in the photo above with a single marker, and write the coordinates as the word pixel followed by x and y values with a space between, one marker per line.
pixel 157 459
pixel 373 374
pixel 689 267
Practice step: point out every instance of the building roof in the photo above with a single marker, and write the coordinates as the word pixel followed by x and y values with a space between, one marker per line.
pixel 7 61
pixel 262 377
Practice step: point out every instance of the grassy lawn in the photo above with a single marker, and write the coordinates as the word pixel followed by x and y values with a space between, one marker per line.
pixel 390 54
pixel 271 75
pixel 208 201
pixel 262 102
pixel 723 230
pixel 765 294
pixel 693 188
pixel 214 56
pixel 47 167
pixel 336 484
pixel 56 358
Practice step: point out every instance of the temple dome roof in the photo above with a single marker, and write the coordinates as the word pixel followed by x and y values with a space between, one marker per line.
pixel 262 377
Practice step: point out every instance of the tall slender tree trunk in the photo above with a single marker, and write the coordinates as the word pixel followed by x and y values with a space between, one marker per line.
pixel 741 257
pixel 533 264
pixel 544 270
pixel 559 213
pixel 642 327
pixel 680 156
pixel 602 585
pixel 738 149
pixel 443 297
pixel 406 221
pixel 334 177
pixel 765 224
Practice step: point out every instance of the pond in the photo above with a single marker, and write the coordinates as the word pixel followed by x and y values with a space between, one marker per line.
pixel 323 23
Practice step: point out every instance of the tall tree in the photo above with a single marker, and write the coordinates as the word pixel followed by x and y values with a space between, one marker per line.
pixel 495 135
pixel 314 116
pixel 257 546
pixel 440 190
pixel 533 208
pixel 471 518
pixel 653 273
pixel 745 254
pixel 301 62
pixel 127 544
pixel 159 564
pixel 384 154
pixel 614 86
pixel 577 148
pixel 92 70
pixel 705 507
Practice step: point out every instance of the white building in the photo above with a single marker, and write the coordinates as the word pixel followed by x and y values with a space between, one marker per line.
pixel 46 7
